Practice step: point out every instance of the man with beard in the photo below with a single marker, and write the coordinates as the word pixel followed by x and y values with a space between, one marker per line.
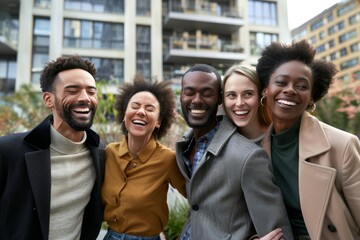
pixel 229 183
pixel 50 177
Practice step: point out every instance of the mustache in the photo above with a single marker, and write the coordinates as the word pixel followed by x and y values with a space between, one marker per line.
pixel 91 106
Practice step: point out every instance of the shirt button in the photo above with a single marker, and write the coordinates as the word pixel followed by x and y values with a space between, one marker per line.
pixel 133 165
pixel 116 202
pixel 332 228
pixel 195 207
pixel 115 219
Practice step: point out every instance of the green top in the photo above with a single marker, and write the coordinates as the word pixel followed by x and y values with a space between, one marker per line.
pixel 285 160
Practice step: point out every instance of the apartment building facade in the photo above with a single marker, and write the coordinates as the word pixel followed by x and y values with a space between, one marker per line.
pixel 154 37
pixel 335 34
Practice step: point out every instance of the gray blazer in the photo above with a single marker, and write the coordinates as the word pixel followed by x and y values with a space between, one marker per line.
pixel 232 194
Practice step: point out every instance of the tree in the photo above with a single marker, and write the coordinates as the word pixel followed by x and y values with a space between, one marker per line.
pixel 341 107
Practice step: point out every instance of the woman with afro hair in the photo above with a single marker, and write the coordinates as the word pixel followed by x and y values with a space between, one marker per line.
pixel 138 169
pixel 316 166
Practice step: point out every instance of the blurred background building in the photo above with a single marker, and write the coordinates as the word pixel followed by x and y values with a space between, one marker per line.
pixel 335 33
pixel 155 37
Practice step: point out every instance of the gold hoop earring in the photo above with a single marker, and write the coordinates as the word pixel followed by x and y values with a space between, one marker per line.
pixel 262 101
pixel 313 107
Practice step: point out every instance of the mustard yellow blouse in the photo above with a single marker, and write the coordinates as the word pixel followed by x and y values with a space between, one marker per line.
pixel 135 190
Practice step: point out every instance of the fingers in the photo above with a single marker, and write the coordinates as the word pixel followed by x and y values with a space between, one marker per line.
pixel 276 234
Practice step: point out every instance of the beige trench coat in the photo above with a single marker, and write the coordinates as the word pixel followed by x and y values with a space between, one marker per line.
pixel 329 179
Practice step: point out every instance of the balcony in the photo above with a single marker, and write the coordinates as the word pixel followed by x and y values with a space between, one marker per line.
pixel 209 17
pixel 8 36
pixel 193 49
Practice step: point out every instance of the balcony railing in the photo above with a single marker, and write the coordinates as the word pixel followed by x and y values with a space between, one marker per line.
pixel 204 8
pixel 210 42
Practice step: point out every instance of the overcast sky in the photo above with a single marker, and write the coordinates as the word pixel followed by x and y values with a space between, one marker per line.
pixel 299 11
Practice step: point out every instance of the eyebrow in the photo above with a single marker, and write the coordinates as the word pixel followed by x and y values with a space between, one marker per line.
pixel 77 86
pixel 287 76
pixel 146 105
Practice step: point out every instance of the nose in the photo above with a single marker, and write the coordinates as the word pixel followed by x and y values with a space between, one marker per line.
pixel 289 90
pixel 140 112
pixel 197 97
pixel 84 96
pixel 239 101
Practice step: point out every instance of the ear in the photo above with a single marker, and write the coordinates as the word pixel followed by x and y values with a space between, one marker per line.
pixel 48 99
pixel 311 102
pixel 158 124
pixel 264 92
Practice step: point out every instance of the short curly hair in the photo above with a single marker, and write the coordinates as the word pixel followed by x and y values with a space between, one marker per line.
pixel 276 54
pixel 51 70
pixel 161 90
pixel 207 69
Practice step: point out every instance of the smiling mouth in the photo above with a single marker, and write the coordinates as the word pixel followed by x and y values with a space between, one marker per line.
pixel 82 110
pixel 240 113
pixel 286 103
pixel 197 111
pixel 139 122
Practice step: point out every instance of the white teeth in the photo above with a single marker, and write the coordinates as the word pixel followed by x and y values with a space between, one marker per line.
pixel 83 110
pixel 197 111
pixel 241 112
pixel 139 122
pixel 286 102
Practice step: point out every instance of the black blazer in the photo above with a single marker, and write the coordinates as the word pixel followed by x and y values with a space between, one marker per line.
pixel 25 182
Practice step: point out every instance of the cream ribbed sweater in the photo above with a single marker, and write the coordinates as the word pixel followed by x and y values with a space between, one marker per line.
pixel 72 179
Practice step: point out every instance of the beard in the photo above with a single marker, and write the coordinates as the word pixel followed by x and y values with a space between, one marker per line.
pixel 66 114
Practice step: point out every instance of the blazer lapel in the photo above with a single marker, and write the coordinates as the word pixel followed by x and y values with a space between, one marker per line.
pixel 315 181
pixel 38 167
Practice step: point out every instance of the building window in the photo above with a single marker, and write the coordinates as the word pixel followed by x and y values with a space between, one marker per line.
pixel 40 51
pixel 300 34
pixel 354 19
pixel 110 71
pixel 320 48
pixel 317 25
pixel 91 34
pixel 344 9
pixel 340 25
pixel 322 35
pixel 330 17
pixel 343 52
pixel 259 40
pixel 347 36
pixel 355 47
pixel 333 56
pixel 262 13
pixel 350 63
pixel 331 43
pixel 42 3
pixel 103 6
pixel 332 29
pixel 312 40
pixel 7 75
pixel 143 50
pixel 143 7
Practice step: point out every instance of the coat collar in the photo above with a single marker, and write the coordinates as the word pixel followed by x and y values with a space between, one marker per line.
pixel 40 136
pixel 226 129
pixel 309 145
pixel 312 138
